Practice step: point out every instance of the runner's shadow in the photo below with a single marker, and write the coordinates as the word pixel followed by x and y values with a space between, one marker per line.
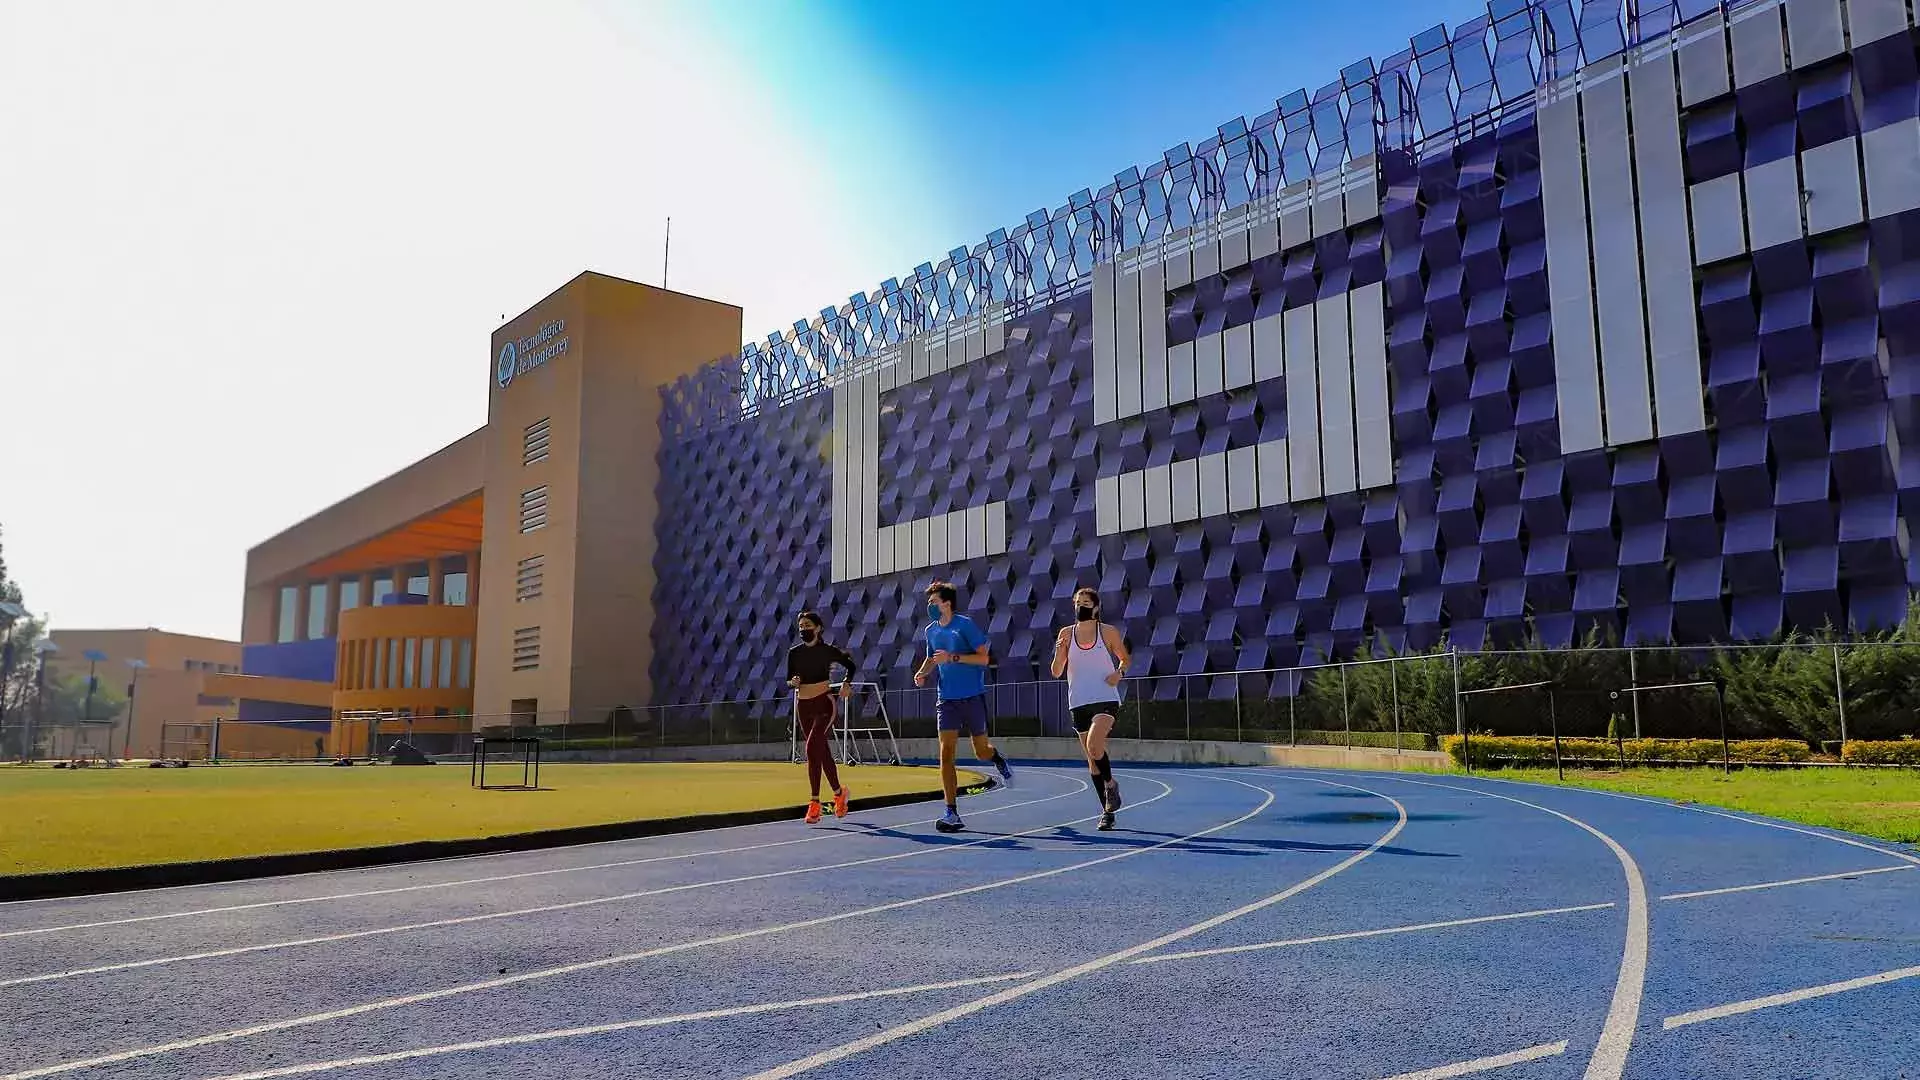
pixel 1124 837
pixel 1365 817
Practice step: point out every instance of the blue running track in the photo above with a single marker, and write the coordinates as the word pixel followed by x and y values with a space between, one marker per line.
pixel 1241 923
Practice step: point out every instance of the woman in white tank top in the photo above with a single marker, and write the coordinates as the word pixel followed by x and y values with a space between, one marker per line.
pixel 1092 657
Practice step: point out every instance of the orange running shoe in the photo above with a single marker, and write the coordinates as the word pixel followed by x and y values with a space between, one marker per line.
pixel 840 803
pixel 813 812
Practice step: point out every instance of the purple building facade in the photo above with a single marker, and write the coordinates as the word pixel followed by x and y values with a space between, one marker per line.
pixel 1567 321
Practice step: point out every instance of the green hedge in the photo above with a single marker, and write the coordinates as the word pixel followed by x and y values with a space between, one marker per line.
pixel 1538 750
pixel 1888 752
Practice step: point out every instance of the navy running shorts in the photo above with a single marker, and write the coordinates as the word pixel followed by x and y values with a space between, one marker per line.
pixel 968 716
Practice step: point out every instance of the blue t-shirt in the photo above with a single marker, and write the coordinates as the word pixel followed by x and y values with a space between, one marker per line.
pixel 962 637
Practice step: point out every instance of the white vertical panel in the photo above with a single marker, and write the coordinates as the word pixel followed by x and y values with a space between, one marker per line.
pixel 1158 482
pixel 959 543
pixel 1296 219
pixel 1153 338
pixel 1372 403
pixel 1871 20
pixel 977 532
pixel 1206 253
pixel 1627 392
pixel 1235 244
pixel 993 332
pixel 1106 505
pixel 1892 155
pixel 939 357
pixel 889 376
pixel 1133 501
pixel 1269 357
pixel 1333 361
pixel 1719 219
pixel 1814 31
pixel 1835 199
pixel 1563 195
pixel 1243 479
pixel 1673 325
pixel 937 553
pixel 922 542
pixel 996 528
pixel 883 559
pixel 1773 203
pixel 1237 346
pixel 1264 239
pixel 1303 405
pixel 1703 61
pixel 840 467
pixel 1180 372
pixel 857 479
pixel 1128 371
pixel 976 344
pixel 1105 397
pixel 870 474
pixel 1184 481
pixel 1176 271
pixel 1363 190
pixel 1209 365
pixel 1273 472
pixel 1759 44
pixel 1213 485
pixel 916 363
pixel 1329 205
pixel 903 548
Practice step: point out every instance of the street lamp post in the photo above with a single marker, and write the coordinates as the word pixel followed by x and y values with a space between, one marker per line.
pixel 126 744
pixel 94 656
pixel 45 648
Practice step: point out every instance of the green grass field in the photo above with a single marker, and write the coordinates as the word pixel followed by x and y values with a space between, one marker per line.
pixel 1872 802
pixel 54 820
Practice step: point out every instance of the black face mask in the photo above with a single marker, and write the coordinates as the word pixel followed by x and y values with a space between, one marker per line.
pixel 1083 613
pixel 809 636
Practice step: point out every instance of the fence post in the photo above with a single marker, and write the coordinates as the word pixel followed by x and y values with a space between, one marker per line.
pixel 1553 717
pixel 1393 672
pixel 1633 680
pixel 1186 693
pixel 1840 697
pixel 1459 715
pixel 1346 713
pixel 1239 734
pixel 1293 695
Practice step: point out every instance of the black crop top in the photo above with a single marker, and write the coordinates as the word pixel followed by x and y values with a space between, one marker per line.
pixel 812 663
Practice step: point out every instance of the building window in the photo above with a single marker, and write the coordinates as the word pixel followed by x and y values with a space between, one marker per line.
pixel 419 580
pixel 533 509
pixel 466 663
pixel 444 654
pixel 453 581
pixel 534 446
pixel 289 614
pixel 317 611
pixel 529 578
pixel 382 588
pixel 526 649
pixel 349 592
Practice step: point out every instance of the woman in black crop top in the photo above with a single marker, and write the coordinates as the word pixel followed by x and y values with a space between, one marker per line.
pixel 809 673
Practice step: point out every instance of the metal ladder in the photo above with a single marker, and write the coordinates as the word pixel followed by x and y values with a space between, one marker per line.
pixel 849 737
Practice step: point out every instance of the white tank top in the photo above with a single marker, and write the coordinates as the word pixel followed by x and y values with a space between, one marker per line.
pixel 1087 669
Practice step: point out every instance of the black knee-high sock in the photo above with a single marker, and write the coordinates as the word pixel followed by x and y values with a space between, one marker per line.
pixel 1106 770
pixel 1099 788
pixel 997 759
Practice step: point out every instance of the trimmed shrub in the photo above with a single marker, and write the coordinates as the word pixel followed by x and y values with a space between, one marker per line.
pixel 1881 752
pixel 1536 750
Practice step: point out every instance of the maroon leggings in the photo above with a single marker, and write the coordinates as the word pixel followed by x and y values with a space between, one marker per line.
pixel 816 726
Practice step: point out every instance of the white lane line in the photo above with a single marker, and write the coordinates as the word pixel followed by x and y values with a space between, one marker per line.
pixel 464 920
pixel 1721 1012
pixel 625 1025
pixel 1486 1064
pixel 603 962
pixel 1890 853
pixel 1355 934
pixel 1609 1061
pixel 927 1023
pixel 1783 884
pixel 395 890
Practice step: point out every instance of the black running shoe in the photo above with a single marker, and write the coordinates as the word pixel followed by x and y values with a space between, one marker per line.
pixel 1106 821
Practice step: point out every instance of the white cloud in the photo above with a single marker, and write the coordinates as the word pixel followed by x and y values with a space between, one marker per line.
pixel 250 255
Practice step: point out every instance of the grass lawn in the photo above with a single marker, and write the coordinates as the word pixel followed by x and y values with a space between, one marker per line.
pixel 1873 802
pixel 59 820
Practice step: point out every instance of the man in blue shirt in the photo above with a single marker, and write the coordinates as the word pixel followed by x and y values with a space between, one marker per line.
pixel 957 654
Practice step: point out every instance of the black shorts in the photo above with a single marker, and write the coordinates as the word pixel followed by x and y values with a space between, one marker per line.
pixel 1083 714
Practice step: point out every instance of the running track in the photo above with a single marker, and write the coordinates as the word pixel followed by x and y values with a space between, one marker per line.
pixel 1250 923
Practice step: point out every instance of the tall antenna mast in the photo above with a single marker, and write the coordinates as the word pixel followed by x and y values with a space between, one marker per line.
pixel 666 254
